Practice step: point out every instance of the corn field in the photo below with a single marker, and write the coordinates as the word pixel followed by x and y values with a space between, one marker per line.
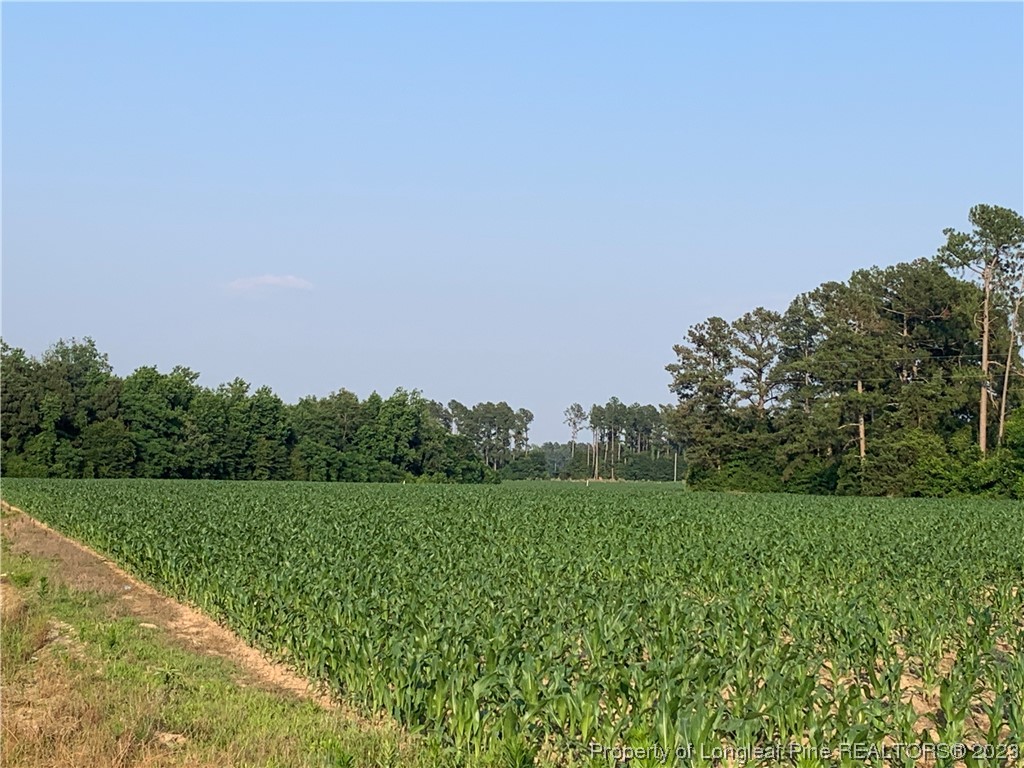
pixel 573 622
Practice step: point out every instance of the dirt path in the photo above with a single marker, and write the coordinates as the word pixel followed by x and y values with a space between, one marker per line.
pixel 83 569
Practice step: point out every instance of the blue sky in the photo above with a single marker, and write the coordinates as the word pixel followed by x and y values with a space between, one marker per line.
pixel 521 202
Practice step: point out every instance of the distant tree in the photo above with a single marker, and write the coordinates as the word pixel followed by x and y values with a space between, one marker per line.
pixel 992 250
pixel 701 379
pixel 643 429
pixel 107 449
pixel 324 432
pixel 521 430
pixel 20 409
pixel 52 401
pixel 270 436
pixel 395 436
pixel 598 426
pixel 576 419
pixel 496 432
pixel 1012 287
pixel 532 465
pixel 757 350
pixel 461 418
pixel 615 414
pixel 155 408
pixel 67 415
pixel 928 318
pixel 559 459
pixel 442 414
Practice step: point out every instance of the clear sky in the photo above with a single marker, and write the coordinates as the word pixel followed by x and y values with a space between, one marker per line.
pixel 521 202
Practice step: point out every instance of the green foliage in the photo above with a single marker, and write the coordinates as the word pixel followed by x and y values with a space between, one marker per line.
pixel 67 415
pixel 642 466
pixel 107 449
pixel 629 442
pixel 500 621
pixel 531 466
pixel 498 433
pixel 865 387
pixel 114 677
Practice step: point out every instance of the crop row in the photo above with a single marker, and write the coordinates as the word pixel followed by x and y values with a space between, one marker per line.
pixel 562 617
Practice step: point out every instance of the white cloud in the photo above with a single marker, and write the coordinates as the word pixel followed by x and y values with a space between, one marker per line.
pixel 250 284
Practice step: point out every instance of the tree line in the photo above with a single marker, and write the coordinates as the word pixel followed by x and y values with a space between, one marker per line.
pixel 899 381
pixel 67 415
pixel 906 380
pixel 628 442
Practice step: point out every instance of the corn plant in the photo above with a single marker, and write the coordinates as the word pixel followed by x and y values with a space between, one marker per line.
pixel 501 620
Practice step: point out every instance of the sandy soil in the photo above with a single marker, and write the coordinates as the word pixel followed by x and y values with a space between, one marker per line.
pixel 83 569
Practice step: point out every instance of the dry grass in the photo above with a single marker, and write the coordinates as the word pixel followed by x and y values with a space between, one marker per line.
pixel 85 685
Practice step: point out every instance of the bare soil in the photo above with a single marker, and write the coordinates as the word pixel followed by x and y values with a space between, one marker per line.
pixel 83 569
